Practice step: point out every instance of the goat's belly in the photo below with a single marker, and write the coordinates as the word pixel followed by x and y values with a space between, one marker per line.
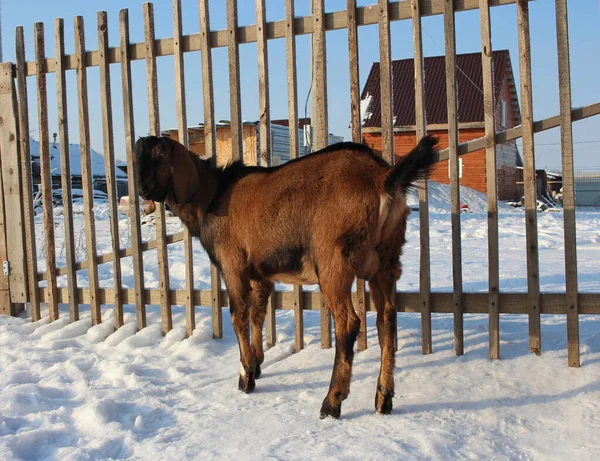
pixel 306 277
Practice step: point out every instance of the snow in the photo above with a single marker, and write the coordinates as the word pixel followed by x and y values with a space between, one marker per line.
pixel 71 391
pixel 364 107
pixel 75 159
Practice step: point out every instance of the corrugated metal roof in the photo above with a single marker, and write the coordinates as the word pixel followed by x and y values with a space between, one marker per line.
pixel 469 82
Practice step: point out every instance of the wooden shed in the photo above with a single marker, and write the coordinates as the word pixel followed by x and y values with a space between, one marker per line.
pixel 472 167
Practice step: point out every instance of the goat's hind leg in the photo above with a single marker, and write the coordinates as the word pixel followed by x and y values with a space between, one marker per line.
pixel 347 324
pixel 261 290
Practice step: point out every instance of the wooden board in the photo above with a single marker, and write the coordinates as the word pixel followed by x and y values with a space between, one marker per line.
pixel 29 226
pixel 190 316
pixel 134 202
pixel 264 129
pixel 568 181
pixel 234 81
pixel 451 102
pixel 154 130
pixel 109 163
pixel 86 171
pixel 533 271
pixel 492 187
pixel 421 130
pixel 209 137
pixel 65 162
pixel 45 173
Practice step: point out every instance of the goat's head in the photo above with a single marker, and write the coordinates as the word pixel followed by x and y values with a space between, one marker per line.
pixel 165 167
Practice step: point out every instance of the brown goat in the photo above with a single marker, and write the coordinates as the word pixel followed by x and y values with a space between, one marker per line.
pixel 325 218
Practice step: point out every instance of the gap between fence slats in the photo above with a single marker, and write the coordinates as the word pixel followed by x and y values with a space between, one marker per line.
pixel 451 102
pixel 209 139
pixel 533 282
pixel 491 175
pixel 65 163
pixel 109 163
pixel 162 255
pixel 190 312
pixel 566 139
pixel 134 203
pixel 265 131
pixel 45 172
pixel 361 305
pixel 320 113
pixel 26 173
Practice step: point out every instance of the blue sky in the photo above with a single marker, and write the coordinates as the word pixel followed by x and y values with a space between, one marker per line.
pixel 584 19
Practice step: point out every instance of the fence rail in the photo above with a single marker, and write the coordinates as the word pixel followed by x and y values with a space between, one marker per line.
pixel 17 236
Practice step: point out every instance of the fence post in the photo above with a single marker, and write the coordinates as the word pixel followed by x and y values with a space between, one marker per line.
pixel 11 191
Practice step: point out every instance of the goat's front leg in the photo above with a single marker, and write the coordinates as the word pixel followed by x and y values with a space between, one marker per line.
pixel 261 290
pixel 347 325
pixel 238 290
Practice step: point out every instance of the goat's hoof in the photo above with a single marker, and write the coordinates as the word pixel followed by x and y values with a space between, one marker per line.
pixel 329 409
pixel 257 371
pixel 246 383
pixel 383 401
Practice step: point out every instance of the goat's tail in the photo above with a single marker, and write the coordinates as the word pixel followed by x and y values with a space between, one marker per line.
pixel 418 164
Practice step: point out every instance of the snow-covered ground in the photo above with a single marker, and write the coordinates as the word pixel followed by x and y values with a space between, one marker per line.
pixel 70 391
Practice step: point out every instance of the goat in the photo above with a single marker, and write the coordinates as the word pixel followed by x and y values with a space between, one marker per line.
pixel 325 218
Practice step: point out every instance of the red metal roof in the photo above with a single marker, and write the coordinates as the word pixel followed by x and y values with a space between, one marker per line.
pixel 469 82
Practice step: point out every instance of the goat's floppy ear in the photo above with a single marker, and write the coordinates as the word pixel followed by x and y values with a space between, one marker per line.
pixel 184 174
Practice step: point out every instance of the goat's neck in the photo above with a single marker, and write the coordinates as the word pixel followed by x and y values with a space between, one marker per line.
pixel 193 212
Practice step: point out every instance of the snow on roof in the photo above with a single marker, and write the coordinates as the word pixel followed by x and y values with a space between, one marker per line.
pixel 75 156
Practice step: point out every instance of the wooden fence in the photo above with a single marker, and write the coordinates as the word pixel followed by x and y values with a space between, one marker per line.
pixel 20 282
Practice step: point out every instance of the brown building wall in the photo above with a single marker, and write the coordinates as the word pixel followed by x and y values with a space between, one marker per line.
pixel 473 164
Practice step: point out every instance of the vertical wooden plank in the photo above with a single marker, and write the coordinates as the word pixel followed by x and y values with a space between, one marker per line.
pixel 421 124
pixel 65 162
pixel 160 225
pixel 566 141
pixel 533 280
pixel 361 306
pixel 210 142
pixel 385 80
pixel 234 81
pixel 86 171
pixel 30 248
pixel 109 162
pixel 265 131
pixel 134 201
pixel 491 175
pixel 320 113
pixel 292 88
pixel 13 190
pixel 190 313
pixel 6 307
pixel 451 98
pixel 45 173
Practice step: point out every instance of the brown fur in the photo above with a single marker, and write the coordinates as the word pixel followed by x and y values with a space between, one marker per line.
pixel 326 218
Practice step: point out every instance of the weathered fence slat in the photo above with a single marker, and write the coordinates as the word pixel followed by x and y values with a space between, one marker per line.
pixel 45 173
pixel 6 307
pixel 134 202
pixel 421 130
pixel 321 138
pixel 361 295
pixel 86 171
pixel 451 98
pixel 265 130
pixel 533 279
pixel 27 181
pixel 492 187
pixel 162 255
pixel 234 81
pixel 190 309
pixel 566 138
pixel 209 139
pixel 109 163
pixel 65 163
